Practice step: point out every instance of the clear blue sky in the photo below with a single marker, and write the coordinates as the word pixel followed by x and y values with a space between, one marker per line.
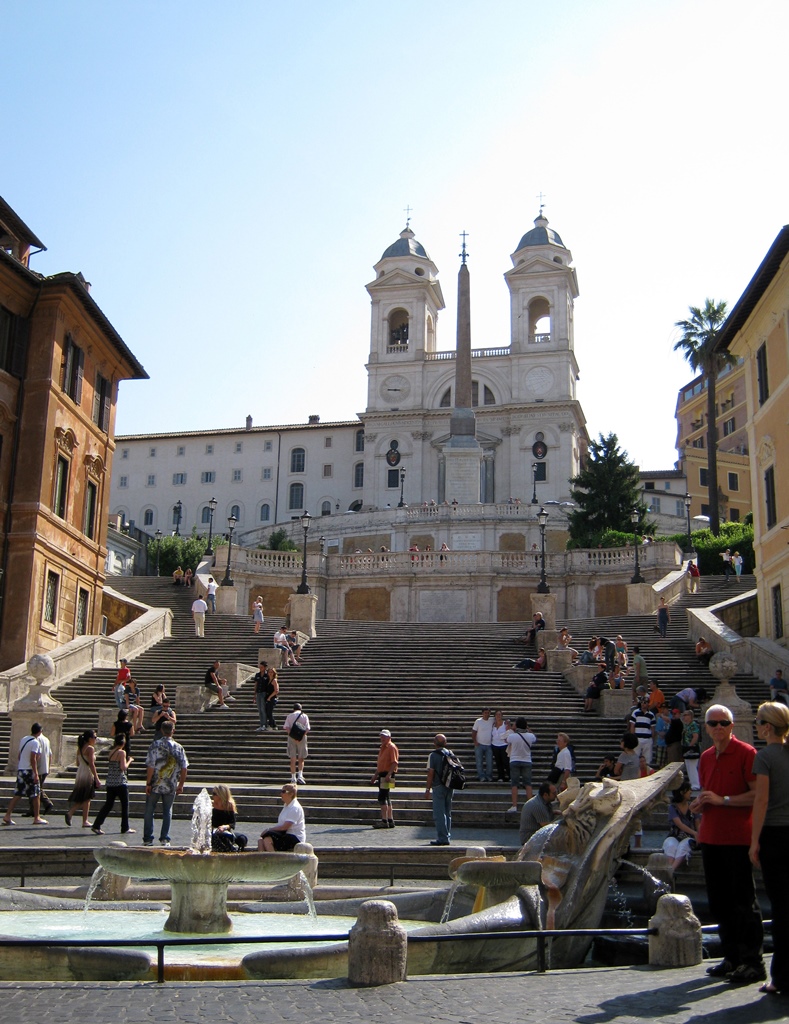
pixel 226 175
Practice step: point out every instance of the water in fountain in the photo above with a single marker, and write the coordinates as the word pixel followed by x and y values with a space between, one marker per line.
pixel 306 888
pixel 618 903
pixel 201 823
pixel 660 886
pixel 95 882
pixel 450 899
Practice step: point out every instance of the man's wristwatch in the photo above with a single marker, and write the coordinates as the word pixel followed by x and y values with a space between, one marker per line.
pixel 726 800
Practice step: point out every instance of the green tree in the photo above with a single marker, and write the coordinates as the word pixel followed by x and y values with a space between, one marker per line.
pixel 174 551
pixel 278 540
pixel 698 345
pixel 606 491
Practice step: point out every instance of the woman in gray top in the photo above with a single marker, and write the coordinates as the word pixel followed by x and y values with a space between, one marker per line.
pixel 770 831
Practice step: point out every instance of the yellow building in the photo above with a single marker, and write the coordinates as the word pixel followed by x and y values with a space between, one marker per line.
pixel 757 331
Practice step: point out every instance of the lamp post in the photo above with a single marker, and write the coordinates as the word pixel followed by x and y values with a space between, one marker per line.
pixel 634 517
pixel 542 519
pixel 231 525
pixel 211 509
pixel 158 536
pixel 303 587
pixel 534 480
pixel 178 510
pixel 401 503
pixel 688 501
pixel 322 542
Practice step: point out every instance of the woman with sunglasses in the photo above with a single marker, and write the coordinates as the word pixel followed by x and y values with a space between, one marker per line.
pixel 770 832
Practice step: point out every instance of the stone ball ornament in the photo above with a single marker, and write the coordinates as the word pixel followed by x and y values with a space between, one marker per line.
pixel 723 666
pixel 42 668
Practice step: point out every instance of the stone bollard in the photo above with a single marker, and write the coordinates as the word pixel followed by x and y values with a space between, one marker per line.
pixel 678 942
pixel 658 880
pixel 310 869
pixel 377 946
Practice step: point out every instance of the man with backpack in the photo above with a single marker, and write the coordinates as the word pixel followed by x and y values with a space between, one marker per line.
pixel 443 777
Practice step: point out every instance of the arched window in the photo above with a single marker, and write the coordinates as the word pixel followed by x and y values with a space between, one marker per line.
pixel 398 328
pixel 265 513
pixel 147 517
pixel 488 398
pixel 539 320
pixel 295 496
pixel 326 508
pixel 298 459
pixel 358 475
pixel 205 515
pixel 360 440
pixel 235 511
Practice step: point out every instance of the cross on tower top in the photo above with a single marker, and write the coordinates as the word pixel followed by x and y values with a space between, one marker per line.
pixel 541 197
pixel 463 253
pixel 408 216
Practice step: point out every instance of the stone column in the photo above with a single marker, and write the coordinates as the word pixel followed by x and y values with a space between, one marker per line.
pixel 226 600
pixel 678 941
pixel 38 706
pixel 545 603
pixel 302 613
pixel 377 946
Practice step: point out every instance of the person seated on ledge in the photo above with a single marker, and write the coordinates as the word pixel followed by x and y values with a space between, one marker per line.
pixel 281 643
pixel 589 657
pixel 290 828
pixel 563 642
pixel 530 635
pixel 606 769
pixel 178 576
pixel 704 651
pixel 595 688
pixel 534 664
pixel 224 838
pixel 295 646
pixel 217 684
pixel 188 578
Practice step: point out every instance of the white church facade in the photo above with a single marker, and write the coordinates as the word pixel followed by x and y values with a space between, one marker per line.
pixel 530 428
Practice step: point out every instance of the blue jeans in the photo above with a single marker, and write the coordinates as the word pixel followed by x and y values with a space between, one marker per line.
pixel 483 752
pixel 442 812
pixel 168 799
pixel 210 600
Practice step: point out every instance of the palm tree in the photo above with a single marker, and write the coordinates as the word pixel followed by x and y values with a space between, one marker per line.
pixel 698 344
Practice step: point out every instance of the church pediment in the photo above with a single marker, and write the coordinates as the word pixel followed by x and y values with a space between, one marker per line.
pixel 485 440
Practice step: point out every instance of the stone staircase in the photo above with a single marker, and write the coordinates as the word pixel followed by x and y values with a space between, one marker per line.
pixel 358 677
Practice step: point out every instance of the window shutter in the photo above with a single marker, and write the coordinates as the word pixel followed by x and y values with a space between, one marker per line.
pixel 19 347
pixel 79 375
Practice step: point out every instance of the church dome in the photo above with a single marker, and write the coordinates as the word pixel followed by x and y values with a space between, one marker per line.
pixel 540 234
pixel 406 245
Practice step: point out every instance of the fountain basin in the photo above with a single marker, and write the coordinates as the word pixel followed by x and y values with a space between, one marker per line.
pixel 198 882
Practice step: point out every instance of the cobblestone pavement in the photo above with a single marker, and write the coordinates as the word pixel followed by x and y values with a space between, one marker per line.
pixel 602 996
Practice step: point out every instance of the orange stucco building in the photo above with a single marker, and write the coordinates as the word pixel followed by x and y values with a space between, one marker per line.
pixel 60 363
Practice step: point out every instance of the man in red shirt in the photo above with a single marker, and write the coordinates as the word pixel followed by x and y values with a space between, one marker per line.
pixel 386 769
pixel 728 787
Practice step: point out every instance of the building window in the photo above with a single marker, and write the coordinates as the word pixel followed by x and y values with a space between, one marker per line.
pixel 267 473
pixel 151 480
pixel 734 481
pixel 178 516
pixel 147 517
pixel 205 515
pixel 81 625
pixel 298 459
pixel 180 450
pixel 734 515
pixel 769 497
pixel 102 396
pixel 235 512
pixel 267 446
pixel 239 447
pixel 392 477
pixel 151 453
pixel 295 496
pixel 541 475
pixel 208 478
pixel 488 398
pixel 236 476
pixel 649 485
pixel 702 476
pixel 91 504
pixel 359 441
pixel 265 513
pixel 209 449
pixel 358 474
pixel 778 612
pixel 179 479
pixel 327 442
pixel 763 384
pixel 728 427
pixel 61 487
pixel 326 508
pixel 51 598
pixel 327 470
pixel 705 510
pixel 698 442
pixel 654 505
pixel 124 453
pixel 123 481
pixel 73 370
pixel 679 508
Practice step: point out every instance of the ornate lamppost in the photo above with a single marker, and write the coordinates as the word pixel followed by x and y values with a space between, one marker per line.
pixel 178 510
pixel 303 587
pixel 211 509
pixel 542 519
pixel 688 501
pixel 635 515
pixel 158 536
pixel 401 503
pixel 231 525
pixel 534 481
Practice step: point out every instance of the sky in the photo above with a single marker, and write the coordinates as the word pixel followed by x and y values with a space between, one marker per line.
pixel 227 175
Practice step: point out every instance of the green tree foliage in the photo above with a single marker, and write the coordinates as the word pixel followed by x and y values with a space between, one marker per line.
pixel 606 491
pixel 698 345
pixel 278 540
pixel 174 551
pixel 709 548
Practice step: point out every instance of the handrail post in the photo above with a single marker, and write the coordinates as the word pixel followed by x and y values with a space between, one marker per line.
pixel 160 963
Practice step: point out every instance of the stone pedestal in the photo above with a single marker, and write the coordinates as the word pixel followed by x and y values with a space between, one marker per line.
pixel 191 698
pixel 545 603
pixel 580 676
pixel 616 703
pixel 226 601
pixel 559 661
pixel 640 599
pixel 377 946
pixel 107 718
pixel 302 613
pixel 38 706
pixel 462 471
pixel 547 638
pixel 724 667
pixel 272 656
pixel 678 942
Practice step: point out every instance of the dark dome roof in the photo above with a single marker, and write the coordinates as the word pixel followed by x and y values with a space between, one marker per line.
pixel 406 245
pixel 540 234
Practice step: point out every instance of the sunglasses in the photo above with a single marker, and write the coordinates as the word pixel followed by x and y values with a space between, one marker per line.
pixel 713 723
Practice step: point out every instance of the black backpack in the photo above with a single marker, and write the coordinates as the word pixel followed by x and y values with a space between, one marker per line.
pixel 453 774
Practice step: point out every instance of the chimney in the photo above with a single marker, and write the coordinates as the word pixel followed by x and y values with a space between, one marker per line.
pixel 249 422
pixel 314 419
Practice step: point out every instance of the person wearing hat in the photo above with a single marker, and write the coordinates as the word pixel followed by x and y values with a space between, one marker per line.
pixel 386 769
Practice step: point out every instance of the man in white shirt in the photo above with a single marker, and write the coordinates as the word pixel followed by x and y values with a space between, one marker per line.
pixel 27 783
pixel 199 608
pixel 297 746
pixel 211 588
pixel 482 734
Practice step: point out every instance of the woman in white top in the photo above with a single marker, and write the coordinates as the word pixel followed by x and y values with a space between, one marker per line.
pixel 290 828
